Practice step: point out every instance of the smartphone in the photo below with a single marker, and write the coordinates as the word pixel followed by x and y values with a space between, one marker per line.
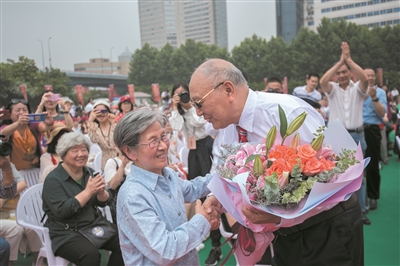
pixel 36 118
pixel 5 115
pixel 95 174
pixel 55 97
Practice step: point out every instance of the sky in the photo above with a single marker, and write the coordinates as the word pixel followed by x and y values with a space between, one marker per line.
pixel 77 30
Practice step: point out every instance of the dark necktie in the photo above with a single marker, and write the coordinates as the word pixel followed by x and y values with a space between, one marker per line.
pixel 242 134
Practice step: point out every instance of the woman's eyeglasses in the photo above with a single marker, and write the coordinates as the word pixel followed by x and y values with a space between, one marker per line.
pixel 15 101
pixel 155 143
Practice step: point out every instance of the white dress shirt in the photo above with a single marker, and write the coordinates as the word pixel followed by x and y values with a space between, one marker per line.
pixel 346 105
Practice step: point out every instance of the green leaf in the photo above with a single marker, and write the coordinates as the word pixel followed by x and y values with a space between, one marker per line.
pixel 251 158
pixel 283 121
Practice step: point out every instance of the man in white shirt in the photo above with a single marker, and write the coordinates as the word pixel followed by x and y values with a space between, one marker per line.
pixel 233 102
pixel 309 91
pixel 346 101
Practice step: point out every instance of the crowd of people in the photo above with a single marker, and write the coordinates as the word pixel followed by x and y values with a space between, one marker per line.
pixel 160 210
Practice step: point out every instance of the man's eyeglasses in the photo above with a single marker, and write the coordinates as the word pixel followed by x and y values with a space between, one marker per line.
pixel 15 101
pixel 199 103
pixel 271 90
pixel 155 143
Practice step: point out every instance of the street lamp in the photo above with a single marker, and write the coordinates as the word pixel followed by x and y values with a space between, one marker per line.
pixel 48 42
pixel 41 43
pixel 101 58
pixel 111 59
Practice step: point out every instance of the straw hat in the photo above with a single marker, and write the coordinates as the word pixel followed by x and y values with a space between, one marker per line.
pixel 55 132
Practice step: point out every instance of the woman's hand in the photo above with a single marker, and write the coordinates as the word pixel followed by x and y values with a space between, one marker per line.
pixel 125 161
pixel 111 118
pixel 23 119
pixel 175 101
pixel 95 185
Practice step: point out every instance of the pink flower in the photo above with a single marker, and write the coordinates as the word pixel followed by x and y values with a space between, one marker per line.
pixel 312 167
pixel 283 179
pixel 260 182
pixel 325 152
pixel 248 149
pixel 242 170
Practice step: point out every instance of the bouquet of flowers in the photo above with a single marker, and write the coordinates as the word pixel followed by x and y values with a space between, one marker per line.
pixel 287 176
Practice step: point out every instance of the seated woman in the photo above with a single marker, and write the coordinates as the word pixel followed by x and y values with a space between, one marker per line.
pixel 71 195
pixel 23 135
pixel 50 159
pixel 14 233
pixel 115 172
pixel 151 216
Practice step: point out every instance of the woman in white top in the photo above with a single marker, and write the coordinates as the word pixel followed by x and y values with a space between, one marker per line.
pixel 184 117
pixel 115 171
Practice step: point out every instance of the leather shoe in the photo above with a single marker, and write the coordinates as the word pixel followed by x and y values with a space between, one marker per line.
pixel 373 204
pixel 365 219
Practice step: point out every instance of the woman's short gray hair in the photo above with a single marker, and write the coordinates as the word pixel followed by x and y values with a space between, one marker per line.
pixel 133 124
pixel 215 72
pixel 69 140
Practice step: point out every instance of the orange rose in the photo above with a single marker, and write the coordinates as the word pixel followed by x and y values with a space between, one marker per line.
pixel 279 151
pixel 312 167
pixel 327 164
pixel 279 165
pixel 306 152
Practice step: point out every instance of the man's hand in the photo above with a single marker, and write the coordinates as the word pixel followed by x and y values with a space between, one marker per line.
pixel 345 51
pixel 212 204
pixel 372 92
pixel 258 217
pixel 212 216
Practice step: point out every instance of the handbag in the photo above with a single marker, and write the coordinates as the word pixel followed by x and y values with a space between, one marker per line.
pixel 99 232
pixel 10 204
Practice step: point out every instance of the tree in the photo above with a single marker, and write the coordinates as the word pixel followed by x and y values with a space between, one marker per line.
pixel 143 67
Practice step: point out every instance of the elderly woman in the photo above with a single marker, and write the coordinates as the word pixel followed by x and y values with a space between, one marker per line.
pixel 71 194
pixel 151 216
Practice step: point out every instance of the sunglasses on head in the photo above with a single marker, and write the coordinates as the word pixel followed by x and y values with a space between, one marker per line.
pixel 15 101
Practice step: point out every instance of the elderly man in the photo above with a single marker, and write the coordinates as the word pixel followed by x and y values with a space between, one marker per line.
pixel 220 93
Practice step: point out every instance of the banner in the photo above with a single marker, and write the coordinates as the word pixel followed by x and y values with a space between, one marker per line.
pixel 22 87
pixel 48 88
pixel 156 92
pixel 380 76
pixel 285 86
pixel 79 94
pixel 131 90
pixel 111 96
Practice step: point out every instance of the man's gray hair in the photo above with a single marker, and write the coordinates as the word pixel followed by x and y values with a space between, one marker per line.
pixel 133 124
pixel 69 140
pixel 216 72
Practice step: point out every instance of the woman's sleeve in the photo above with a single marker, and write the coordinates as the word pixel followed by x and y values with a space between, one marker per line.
pixel 176 120
pixel 109 170
pixel 193 119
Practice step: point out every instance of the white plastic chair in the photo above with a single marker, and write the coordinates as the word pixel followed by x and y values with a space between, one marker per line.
pixel 29 214
pixel 31 176
pixel 94 149
pixel 97 162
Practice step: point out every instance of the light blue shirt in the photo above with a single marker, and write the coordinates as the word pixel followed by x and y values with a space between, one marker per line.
pixel 152 224
pixel 369 115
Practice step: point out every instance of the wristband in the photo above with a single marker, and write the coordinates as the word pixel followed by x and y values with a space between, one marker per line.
pixel 65 112
pixel 376 100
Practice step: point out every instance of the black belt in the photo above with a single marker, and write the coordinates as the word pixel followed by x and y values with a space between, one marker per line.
pixel 371 126
pixel 357 130
pixel 339 208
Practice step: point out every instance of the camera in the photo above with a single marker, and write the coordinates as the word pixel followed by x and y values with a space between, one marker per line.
pixel 184 95
pixel 5 148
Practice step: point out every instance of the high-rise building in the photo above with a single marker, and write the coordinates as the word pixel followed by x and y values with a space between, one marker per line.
pixel 292 15
pixel 174 22
pixel 289 18
pixel 372 13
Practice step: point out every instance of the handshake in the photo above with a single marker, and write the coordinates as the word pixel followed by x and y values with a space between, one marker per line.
pixel 211 209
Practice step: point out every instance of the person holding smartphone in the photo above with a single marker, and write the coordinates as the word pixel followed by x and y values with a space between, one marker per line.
pixel 23 135
pixel 50 103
